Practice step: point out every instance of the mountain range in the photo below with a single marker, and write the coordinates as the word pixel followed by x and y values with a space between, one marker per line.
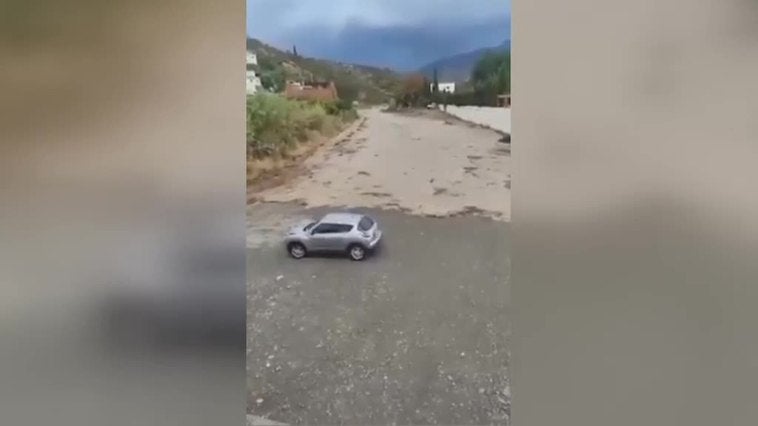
pixel 373 84
pixel 458 67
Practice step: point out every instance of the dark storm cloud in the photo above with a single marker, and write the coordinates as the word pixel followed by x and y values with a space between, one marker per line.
pixel 403 34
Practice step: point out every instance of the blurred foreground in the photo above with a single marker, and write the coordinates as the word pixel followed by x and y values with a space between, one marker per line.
pixel 122 261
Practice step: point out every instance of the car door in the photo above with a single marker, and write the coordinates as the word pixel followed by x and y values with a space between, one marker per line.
pixel 320 236
pixel 338 237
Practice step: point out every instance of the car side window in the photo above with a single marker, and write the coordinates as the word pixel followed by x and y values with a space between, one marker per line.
pixel 332 228
pixel 324 228
pixel 343 228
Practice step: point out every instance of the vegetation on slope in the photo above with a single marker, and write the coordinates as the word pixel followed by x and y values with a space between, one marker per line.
pixel 490 77
pixel 276 125
pixel 458 67
pixel 492 73
pixel 354 82
pixel 280 131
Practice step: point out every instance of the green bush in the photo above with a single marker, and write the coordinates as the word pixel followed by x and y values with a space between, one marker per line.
pixel 337 107
pixel 276 124
pixel 349 115
pixel 492 73
pixel 331 108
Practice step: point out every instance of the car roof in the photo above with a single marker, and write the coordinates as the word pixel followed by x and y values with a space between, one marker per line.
pixel 343 218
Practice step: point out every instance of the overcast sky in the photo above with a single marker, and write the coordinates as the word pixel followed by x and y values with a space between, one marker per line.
pixel 402 34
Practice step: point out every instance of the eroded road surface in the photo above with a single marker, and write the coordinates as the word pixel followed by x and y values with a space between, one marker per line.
pixel 417 333
pixel 424 165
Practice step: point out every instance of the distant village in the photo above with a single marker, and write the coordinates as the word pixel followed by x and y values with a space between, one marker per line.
pixel 300 90
pixel 326 91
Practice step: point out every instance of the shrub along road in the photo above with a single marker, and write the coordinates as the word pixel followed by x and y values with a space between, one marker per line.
pixel 418 333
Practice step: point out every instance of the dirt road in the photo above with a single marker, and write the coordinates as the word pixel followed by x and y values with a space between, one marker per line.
pixel 417 164
pixel 417 333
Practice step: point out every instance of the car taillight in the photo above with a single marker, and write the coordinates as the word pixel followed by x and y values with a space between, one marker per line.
pixel 365 234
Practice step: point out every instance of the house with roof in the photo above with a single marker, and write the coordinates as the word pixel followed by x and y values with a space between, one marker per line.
pixel 324 91
pixel 443 87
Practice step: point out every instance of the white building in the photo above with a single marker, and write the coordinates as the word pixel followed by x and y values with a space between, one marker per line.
pixel 253 81
pixel 444 87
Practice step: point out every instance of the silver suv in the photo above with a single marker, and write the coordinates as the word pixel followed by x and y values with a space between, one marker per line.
pixel 351 233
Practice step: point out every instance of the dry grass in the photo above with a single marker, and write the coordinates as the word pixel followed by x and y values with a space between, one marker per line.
pixel 282 133
pixel 274 170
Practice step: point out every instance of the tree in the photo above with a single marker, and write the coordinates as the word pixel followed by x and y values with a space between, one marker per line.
pixel 273 79
pixel 491 76
pixel 436 84
pixel 348 89
pixel 413 89
pixel 294 50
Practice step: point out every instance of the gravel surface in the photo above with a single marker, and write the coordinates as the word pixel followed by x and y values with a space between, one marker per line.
pixel 416 334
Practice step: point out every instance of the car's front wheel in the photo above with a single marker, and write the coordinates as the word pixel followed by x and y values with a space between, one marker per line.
pixel 296 250
pixel 357 252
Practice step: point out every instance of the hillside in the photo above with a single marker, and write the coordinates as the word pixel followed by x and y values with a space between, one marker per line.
pixel 458 67
pixel 354 82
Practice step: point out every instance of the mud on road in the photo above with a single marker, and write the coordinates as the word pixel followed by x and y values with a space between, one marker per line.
pixel 417 333
pixel 425 164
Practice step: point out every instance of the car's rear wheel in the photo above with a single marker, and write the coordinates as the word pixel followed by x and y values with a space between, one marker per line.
pixel 297 250
pixel 357 252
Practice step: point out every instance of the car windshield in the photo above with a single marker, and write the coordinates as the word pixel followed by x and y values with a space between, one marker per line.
pixel 365 224
pixel 309 226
